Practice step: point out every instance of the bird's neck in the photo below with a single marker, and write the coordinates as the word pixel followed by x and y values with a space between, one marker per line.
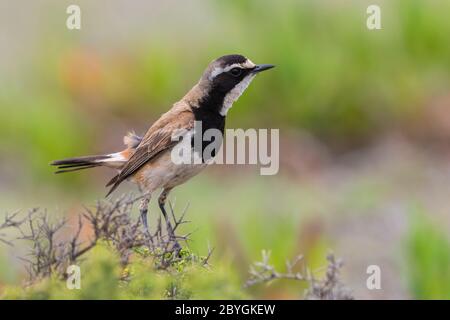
pixel 206 105
pixel 208 99
pixel 214 99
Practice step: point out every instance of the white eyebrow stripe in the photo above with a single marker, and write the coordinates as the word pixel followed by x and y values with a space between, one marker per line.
pixel 218 70
pixel 248 64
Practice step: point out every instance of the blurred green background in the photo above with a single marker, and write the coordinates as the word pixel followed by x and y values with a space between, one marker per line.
pixel 363 116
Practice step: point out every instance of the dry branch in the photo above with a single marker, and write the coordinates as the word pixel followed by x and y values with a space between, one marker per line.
pixel 51 251
pixel 329 288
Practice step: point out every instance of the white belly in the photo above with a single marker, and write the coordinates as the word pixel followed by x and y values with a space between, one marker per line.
pixel 162 172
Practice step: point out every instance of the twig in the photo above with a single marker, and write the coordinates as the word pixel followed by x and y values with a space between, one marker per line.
pixel 111 221
pixel 329 288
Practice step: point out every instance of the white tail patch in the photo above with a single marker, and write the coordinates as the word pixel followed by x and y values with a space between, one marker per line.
pixel 115 160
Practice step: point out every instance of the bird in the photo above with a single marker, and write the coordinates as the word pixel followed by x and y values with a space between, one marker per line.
pixel 147 161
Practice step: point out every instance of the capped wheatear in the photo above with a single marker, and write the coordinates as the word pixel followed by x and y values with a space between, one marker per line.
pixel 147 160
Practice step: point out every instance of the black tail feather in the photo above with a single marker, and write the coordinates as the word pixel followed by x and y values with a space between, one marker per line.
pixel 74 165
pixel 63 169
pixel 79 160
pixel 78 163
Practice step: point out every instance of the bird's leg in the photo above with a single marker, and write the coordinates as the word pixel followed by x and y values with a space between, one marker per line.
pixel 143 208
pixel 162 201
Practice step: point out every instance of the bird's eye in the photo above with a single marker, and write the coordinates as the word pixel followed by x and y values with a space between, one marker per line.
pixel 236 72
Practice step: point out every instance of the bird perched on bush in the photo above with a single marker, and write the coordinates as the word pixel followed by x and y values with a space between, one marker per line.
pixel 147 160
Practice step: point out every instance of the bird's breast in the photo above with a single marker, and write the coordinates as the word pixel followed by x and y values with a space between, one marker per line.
pixel 163 172
pixel 208 120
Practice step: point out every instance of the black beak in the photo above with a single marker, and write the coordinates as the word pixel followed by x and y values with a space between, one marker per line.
pixel 262 67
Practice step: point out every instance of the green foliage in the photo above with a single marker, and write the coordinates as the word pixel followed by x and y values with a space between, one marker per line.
pixel 428 254
pixel 100 273
pixel 102 277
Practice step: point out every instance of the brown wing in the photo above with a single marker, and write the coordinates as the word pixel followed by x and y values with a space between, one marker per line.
pixel 157 139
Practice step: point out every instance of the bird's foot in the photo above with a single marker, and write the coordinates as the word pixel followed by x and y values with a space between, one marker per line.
pixel 146 229
pixel 172 238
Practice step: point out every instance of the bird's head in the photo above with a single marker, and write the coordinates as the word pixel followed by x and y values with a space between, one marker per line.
pixel 225 79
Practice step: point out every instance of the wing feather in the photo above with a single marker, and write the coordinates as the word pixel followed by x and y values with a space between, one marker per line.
pixel 157 139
